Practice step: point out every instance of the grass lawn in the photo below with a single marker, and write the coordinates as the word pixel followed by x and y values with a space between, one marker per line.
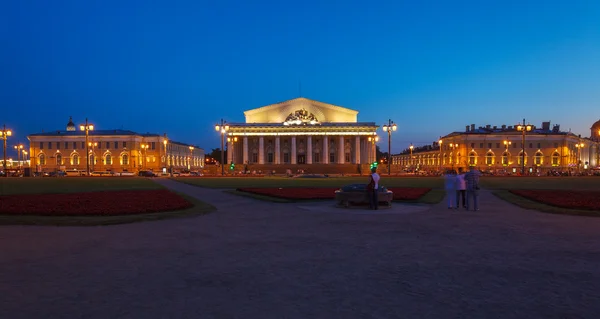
pixel 546 182
pixel 530 204
pixel 40 185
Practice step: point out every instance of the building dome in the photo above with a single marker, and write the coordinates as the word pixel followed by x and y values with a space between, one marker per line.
pixel 71 125
pixel 595 131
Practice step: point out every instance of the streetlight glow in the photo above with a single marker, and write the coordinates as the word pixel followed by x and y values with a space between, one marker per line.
pixel 523 128
pixel 5 134
pixel 223 127
pixel 389 127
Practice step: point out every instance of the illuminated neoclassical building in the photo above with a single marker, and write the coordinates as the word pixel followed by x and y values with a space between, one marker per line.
pixel 110 150
pixel 501 149
pixel 301 133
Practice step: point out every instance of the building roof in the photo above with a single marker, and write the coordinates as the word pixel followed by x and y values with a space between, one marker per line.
pixel 324 124
pixel 90 133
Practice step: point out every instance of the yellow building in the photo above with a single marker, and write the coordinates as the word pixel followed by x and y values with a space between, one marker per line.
pixel 505 149
pixel 110 151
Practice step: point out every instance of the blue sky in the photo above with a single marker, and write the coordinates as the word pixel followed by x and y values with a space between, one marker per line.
pixel 180 66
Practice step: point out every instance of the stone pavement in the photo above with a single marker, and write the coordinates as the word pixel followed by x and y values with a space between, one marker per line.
pixel 254 259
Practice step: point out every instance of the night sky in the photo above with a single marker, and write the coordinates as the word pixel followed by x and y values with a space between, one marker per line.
pixel 178 67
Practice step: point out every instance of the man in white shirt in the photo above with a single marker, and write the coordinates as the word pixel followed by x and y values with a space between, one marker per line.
pixel 372 189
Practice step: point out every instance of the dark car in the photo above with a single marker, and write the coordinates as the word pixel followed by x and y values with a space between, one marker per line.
pixel 146 174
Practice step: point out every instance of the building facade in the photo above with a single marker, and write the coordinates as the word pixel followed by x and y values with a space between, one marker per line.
pixel 110 151
pixel 505 149
pixel 301 133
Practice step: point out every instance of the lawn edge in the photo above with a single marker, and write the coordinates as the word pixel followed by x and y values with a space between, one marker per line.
pixel 199 208
pixel 529 204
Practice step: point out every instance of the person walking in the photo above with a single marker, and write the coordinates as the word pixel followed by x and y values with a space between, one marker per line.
pixel 450 187
pixel 372 189
pixel 472 179
pixel 461 188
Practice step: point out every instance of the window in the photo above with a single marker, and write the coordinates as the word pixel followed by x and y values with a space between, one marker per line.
pixel 520 159
pixel 75 159
pixel 555 145
pixel 153 145
pixel 124 144
pixel 286 157
pixel 42 158
pixel 472 159
pixel 489 158
pixel 116 145
pixel 49 145
pixel 316 158
pixel 82 145
pixel 530 145
pixel 125 159
pixel 108 160
pixel 57 145
pixel 41 145
pixel 92 159
pixel 74 145
pixel 347 158
pixel 254 157
pixel 514 145
pixel 505 157
pixel 107 145
pixel 480 145
pixel 332 158
pixel 555 159
pixel 58 159
pixel 497 145
pixel 539 145
pixel 539 158
pixel 472 145
pixel 489 145
pixel 66 145
pixel 270 157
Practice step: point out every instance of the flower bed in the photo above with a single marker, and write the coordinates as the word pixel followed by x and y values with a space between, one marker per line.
pixel 400 193
pixel 108 203
pixel 585 200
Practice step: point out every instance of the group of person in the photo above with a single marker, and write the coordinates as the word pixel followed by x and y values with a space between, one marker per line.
pixel 463 186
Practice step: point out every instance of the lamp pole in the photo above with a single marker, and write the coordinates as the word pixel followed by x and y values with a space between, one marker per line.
pixel 87 127
pixel 223 127
pixel 168 163
pixel 506 143
pixel 389 127
pixel 372 155
pixel 579 146
pixel 440 146
pixel 144 153
pixel 5 134
pixel 232 140
pixel 190 161
pixel 18 148
pixel 410 162
pixel 523 128
pixel 93 160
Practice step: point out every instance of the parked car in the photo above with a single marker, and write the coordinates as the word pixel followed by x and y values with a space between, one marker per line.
pixel 146 174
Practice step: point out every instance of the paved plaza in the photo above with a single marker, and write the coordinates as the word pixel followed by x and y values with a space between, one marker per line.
pixel 254 259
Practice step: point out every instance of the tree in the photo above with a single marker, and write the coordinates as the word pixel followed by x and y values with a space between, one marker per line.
pixel 216 154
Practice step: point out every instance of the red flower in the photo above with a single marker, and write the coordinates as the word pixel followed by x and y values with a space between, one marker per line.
pixel 125 202
pixel 586 200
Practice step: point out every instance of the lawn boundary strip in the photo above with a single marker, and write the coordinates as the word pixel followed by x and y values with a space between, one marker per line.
pixel 529 204
pixel 326 193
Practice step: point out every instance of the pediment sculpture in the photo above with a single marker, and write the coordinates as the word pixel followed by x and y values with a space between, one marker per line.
pixel 301 117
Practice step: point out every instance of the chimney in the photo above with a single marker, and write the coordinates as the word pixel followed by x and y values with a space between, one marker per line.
pixel 495 127
pixel 504 126
pixel 472 127
pixel 467 128
pixel 488 126
pixel 546 126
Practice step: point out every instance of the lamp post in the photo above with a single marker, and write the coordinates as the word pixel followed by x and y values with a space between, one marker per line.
pixel 144 148
pixel 579 147
pixel 24 157
pixel 19 148
pixel 391 126
pixel 5 134
pixel 453 146
pixel 232 140
pixel 506 143
pixel 190 161
pixel 410 162
pixel 223 127
pixel 373 156
pixel 93 145
pixel 87 127
pixel 523 128
pixel 168 163
pixel 440 158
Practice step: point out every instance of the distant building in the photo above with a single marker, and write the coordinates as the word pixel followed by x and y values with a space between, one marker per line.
pixel 110 150
pixel 500 149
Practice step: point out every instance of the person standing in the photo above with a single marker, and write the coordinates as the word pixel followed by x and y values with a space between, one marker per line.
pixel 450 186
pixel 461 188
pixel 372 189
pixel 472 178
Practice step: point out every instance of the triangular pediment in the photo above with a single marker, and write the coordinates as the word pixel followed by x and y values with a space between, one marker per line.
pixel 301 109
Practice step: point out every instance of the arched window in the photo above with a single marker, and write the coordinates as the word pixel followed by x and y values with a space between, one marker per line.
pixel 75 159
pixel 451 154
pixel 58 159
pixel 539 158
pixel 125 159
pixel 505 158
pixel 555 159
pixel 108 159
pixel 445 158
pixel 472 159
pixel 42 159
pixel 520 159
pixel 489 158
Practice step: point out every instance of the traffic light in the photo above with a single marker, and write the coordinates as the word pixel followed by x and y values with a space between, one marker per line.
pixel 374 165
pixel 232 166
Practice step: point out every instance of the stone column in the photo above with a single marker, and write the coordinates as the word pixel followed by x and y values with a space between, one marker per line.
pixel 341 153
pixel 277 150
pixel 245 149
pixel 309 150
pixel 357 150
pixel 261 150
pixel 325 152
pixel 293 159
pixel 229 152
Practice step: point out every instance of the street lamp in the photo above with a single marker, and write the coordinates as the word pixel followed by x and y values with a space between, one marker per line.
pixel 24 157
pixel 440 157
pixel 18 148
pixel 167 159
pixel 87 127
pixel 5 134
pixel 190 160
pixel 453 146
pixel 232 140
pixel 144 148
pixel 507 143
pixel 579 147
pixel 523 128
pixel 391 126
pixel 93 145
pixel 223 127
pixel 373 140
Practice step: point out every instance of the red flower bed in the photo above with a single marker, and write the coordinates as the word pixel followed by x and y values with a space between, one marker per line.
pixel 586 200
pixel 126 202
pixel 329 193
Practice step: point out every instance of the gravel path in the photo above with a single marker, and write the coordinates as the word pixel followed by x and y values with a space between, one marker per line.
pixel 254 259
